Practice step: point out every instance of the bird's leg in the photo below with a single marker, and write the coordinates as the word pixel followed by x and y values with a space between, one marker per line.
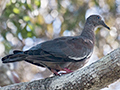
pixel 60 71
pixel 54 71
pixel 64 71
pixel 67 70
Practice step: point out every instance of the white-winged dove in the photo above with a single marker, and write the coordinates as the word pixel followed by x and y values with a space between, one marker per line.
pixel 64 54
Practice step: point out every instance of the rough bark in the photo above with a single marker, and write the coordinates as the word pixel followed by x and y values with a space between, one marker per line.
pixel 93 77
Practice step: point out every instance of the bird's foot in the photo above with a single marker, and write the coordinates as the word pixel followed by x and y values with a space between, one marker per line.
pixel 62 71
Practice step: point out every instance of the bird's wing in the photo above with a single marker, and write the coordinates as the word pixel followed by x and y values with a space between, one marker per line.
pixel 61 50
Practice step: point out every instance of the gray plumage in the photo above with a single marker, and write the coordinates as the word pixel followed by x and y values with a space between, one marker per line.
pixel 70 52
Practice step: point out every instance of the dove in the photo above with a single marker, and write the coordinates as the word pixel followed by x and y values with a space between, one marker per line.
pixel 64 54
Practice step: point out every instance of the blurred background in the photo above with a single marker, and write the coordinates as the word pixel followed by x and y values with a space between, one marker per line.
pixel 25 23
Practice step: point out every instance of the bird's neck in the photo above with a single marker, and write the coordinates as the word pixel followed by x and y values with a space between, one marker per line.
pixel 88 31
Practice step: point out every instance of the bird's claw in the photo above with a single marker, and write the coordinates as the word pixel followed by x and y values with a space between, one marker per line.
pixel 64 71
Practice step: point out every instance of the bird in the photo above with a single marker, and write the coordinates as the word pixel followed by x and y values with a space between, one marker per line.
pixel 64 54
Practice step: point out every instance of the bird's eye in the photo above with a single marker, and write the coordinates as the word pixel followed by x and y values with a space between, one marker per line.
pixel 98 17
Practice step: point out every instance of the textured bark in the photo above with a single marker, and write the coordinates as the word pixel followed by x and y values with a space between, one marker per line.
pixel 93 77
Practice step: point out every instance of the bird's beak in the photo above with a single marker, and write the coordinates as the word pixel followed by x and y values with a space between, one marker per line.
pixel 103 24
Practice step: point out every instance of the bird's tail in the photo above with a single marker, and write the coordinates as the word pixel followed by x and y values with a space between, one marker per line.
pixel 17 56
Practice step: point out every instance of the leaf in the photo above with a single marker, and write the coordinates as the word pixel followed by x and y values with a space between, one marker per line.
pixel 26 18
pixel 37 2
pixel 16 10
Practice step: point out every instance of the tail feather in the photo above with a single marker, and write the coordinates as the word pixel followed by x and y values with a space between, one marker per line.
pixel 17 56
pixel 17 51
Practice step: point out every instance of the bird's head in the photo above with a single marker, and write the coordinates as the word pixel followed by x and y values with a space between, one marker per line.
pixel 96 20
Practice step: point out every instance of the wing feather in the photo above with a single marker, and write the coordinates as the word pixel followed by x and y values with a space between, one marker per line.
pixel 61 50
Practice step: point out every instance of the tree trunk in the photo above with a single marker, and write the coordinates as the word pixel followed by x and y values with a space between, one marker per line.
pixel 93 77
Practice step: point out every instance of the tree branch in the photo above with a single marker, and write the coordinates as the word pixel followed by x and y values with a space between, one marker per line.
pixel 93 77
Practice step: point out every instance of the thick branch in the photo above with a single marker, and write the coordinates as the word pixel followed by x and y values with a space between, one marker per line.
pixel 93 77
